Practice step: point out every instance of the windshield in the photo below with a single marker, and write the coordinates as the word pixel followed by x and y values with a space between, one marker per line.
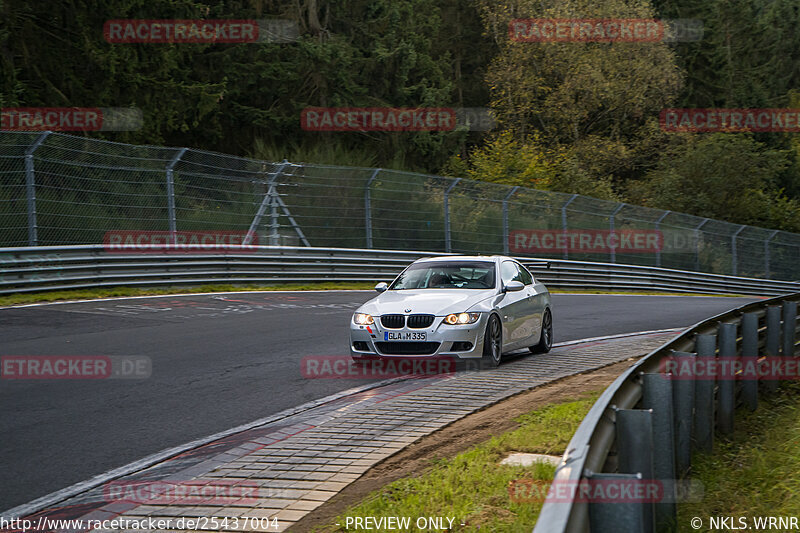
pixel 455 275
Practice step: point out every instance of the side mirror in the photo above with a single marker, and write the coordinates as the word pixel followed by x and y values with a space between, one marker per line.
pixel 514 286
pixel 382 286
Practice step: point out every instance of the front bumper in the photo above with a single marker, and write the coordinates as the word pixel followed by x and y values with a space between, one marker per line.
pixel 464 341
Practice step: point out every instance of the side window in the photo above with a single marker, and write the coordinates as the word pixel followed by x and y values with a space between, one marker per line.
pixel 525 276
pixel 509 272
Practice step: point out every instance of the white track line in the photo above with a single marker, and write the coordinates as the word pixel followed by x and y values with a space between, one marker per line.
pixel 181 295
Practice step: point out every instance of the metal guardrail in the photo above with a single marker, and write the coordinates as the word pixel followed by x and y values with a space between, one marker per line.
pixel 43 268
pixel 645 425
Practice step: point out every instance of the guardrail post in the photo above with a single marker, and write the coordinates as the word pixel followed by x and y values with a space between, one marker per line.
pixel 447 243
pixel 30 189
pixel 789 327
pixel 266 201
pixel 658 228
pixel 623 517
pixel 657 396
pixel 734 255
pixel 564 223
pixel 368 207
pixel 697 243
pixel 767 274
pixel 683 396
pixel 726 382
pixel 706 347
pixel 749 359
pixel 773 344
pixel 505 219
pixel 634 428
pixel 613 253
pixel 171 217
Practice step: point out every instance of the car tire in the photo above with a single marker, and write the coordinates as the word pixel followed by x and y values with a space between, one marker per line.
pixel 546 337
pixel 493 342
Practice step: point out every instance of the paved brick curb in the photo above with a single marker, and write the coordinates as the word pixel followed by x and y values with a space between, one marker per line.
pixel 296 464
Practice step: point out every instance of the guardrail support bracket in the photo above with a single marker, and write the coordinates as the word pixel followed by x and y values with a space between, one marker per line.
pixel 622 517
pixel 635 452
pixel 726 394
pixel 683 397
pixel 704 413
pixel 750 355
pixel 789 327
pixel 657 396
pixel 773 344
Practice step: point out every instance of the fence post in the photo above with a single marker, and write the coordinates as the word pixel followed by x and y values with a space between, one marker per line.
pixel 613 252
pixel 789 327
pixel 706 348
pixel 749 359
pixel 657 396
pixel 173 225
pixel 773 345
pixel 767 274
pixel 726 383
pixel 697 243
pixel 447 243
pixel 505 218
pixel 368 207
pixel 564 223
pixel 30 189
pixel 658 228
pixel 734 255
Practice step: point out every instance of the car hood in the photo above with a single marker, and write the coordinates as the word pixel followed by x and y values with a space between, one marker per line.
pixel 437 302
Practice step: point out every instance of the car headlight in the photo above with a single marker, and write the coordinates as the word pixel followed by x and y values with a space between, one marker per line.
pixel 363 319
pixel 462 318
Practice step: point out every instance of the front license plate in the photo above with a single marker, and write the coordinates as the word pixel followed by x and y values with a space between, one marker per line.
pixel 404 336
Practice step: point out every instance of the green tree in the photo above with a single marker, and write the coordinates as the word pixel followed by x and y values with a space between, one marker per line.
pixel 723 176
pixel 591 100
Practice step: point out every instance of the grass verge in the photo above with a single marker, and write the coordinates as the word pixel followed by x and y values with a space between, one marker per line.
pixel 471 487
pixel 757 472
pixel 114 292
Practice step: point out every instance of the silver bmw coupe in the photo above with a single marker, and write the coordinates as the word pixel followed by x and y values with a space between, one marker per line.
pixel 460 306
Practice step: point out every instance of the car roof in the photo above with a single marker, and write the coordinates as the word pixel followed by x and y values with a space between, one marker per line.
pixel 486 258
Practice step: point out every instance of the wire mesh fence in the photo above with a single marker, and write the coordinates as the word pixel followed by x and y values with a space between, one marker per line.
pixel 61 189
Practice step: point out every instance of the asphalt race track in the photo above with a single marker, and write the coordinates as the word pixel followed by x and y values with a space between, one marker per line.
pixel 217 361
